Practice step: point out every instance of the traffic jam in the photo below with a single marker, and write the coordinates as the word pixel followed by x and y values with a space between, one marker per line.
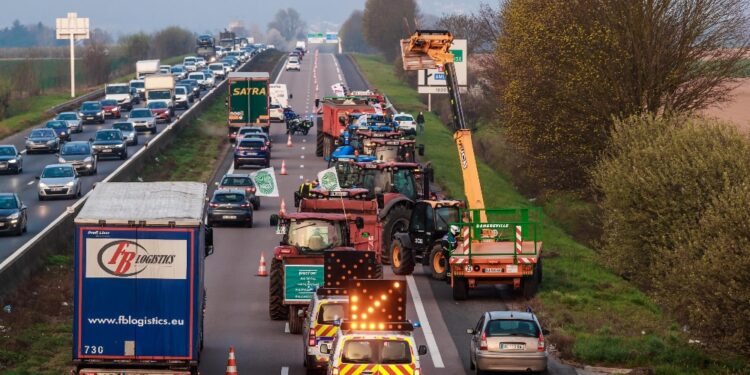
pixel 336 277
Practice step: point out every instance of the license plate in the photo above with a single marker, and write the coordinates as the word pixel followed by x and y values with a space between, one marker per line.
pixel 251 153
pixel 493 270
pixel 229 217
pixel 513 346
pixel 3 166
pixel 106 150
pixel 511 268
pixel 57 189
pixel 89 118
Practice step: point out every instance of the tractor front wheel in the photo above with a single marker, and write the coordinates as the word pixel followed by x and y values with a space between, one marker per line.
pixel 276 308
pixel 438 263
pixel 402 258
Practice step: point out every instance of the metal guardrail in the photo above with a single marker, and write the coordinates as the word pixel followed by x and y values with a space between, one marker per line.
pixel 18 266
pixel 75 102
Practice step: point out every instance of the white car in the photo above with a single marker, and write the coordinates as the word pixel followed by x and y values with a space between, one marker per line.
pixel 218 69
pixel 200 62
pixel 276 113
pixel 293 64
pixel 200 77
pixel 190 64
pixel 406 123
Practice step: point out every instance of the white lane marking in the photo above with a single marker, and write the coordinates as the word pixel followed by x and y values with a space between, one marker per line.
pixel 437 359
pixel 22 152
pixel 303 148
pixel 278 77
pixel 285 370
pixel 340 79
pixel 286 327
pixel 31 182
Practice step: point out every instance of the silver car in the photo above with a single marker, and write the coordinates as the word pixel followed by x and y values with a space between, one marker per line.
pixel 143 120
pixel 507 341
pixel 75 125
pixel 80 155
pixel 128 131
pixel 59 180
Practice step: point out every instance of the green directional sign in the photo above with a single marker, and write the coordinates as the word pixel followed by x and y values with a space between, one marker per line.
pixel 300 281
pixel 458 55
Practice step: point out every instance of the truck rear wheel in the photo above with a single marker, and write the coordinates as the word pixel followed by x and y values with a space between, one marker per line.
pixel 319 138
pixel 276 308
pixel 402 258
pixel 530 284
pixel 295 321
pixel 438 263
pixel 460 289
pixel 396 221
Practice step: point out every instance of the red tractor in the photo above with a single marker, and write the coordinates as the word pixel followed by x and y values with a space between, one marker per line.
pixel 383 196
pixel 296 267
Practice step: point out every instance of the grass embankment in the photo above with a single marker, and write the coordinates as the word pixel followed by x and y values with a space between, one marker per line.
pixel 27 112
pixel 595 316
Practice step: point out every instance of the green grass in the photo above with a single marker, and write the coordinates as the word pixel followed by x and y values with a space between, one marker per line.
pixel 595 316
pixel 192 156
pixel 27 112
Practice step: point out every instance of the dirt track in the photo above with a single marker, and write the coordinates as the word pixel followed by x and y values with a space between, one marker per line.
pixel 737 110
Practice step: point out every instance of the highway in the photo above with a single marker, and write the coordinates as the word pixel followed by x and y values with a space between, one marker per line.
pixel 40 214
pixel 237 310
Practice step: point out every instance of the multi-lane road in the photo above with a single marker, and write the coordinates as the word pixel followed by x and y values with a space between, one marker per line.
pixel 237 311
pixel 41 214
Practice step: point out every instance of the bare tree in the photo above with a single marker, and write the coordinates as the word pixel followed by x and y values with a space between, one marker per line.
pixel 385 22
pixel 679 54
pixel 289 23
pixel 352 37
pixel 481 28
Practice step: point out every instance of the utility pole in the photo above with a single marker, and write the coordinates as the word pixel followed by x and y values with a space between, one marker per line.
pixel 72 28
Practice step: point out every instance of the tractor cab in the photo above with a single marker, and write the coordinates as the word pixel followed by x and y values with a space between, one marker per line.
pixel 311 233
pixel 392 177
pixel 400 150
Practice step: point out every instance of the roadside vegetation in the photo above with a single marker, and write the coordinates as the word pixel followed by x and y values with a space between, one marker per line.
pixel 596 316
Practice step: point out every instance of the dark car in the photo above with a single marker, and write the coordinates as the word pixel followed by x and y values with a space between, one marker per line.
pixel 252 151
pixel 10 159
pixel 230 206
pixel 13 217
pixel 80 155
pixel 42 139
pixel 111 109
pixel 110 143
pixel 160 110
pixel 60 128
pixel 91 112
pixel 193 85
pixel 240 181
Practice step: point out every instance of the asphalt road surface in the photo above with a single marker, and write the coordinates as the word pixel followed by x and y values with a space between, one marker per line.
pixel 41 214
pixel 237 311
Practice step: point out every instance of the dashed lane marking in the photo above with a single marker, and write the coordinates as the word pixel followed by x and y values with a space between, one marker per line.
pixel 31 182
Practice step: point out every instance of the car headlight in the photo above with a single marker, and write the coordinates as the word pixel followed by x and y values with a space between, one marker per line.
pixel 99 113
pixel 62 133
pixel 12 161
pixel 88 159
pixel 71 183
pixel 81 114
pixel 42 185
pixel 120 145
pixel 14 215
pixel 61 160
pixel 51 141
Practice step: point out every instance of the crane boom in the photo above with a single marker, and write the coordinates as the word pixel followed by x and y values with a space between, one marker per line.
pixel 429 49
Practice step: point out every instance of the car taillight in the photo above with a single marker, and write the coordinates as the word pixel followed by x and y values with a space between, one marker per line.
pixel 264 148
pixel 540 343
pixel 311 337
pixel 245 205
pixel 268 143
pixel 250 190
pixel 335 371
pixel 483 342
pixel 417 371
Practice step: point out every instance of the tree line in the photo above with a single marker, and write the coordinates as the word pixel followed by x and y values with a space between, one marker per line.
pixel 599 100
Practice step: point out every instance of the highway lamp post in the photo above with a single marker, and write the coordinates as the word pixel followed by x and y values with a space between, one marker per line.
pixel 72 28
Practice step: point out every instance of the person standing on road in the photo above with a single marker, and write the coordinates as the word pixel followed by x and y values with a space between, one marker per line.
pixel 420 122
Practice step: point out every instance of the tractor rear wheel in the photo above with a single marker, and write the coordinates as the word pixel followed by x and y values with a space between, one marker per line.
pixel 295 321
pixel 402 258
pixel 396 221
pixel 319 138
pixel 276 308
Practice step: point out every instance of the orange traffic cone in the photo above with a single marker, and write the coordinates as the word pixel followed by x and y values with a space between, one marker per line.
pixel 289 141
pixel 231 363
pixel 261 272
pixel 282 207
pixel 283 168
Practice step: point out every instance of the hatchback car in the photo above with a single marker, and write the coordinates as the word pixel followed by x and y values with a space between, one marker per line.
pixel 178 72
pixel 91 112
pixel 111 108
pixel 293 64
pixel 249 131
pixel 42 139
pixel 110 143
pixel 252 151
pixel 60 128
pixel 193 85
pixel 10 159
pixel 128 131
pixel 406 123
pixel 183 96
pixel 13 218
pixel 143 120
pixel 80 155
pixel 59 180
pixel 507 341
pixel 161 111
pixel 230 206
pixel 218 70
pixel 201 78
pixel 75 125
pixel 240 181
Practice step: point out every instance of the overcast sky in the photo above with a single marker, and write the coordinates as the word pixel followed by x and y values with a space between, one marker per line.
pixel 127 16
